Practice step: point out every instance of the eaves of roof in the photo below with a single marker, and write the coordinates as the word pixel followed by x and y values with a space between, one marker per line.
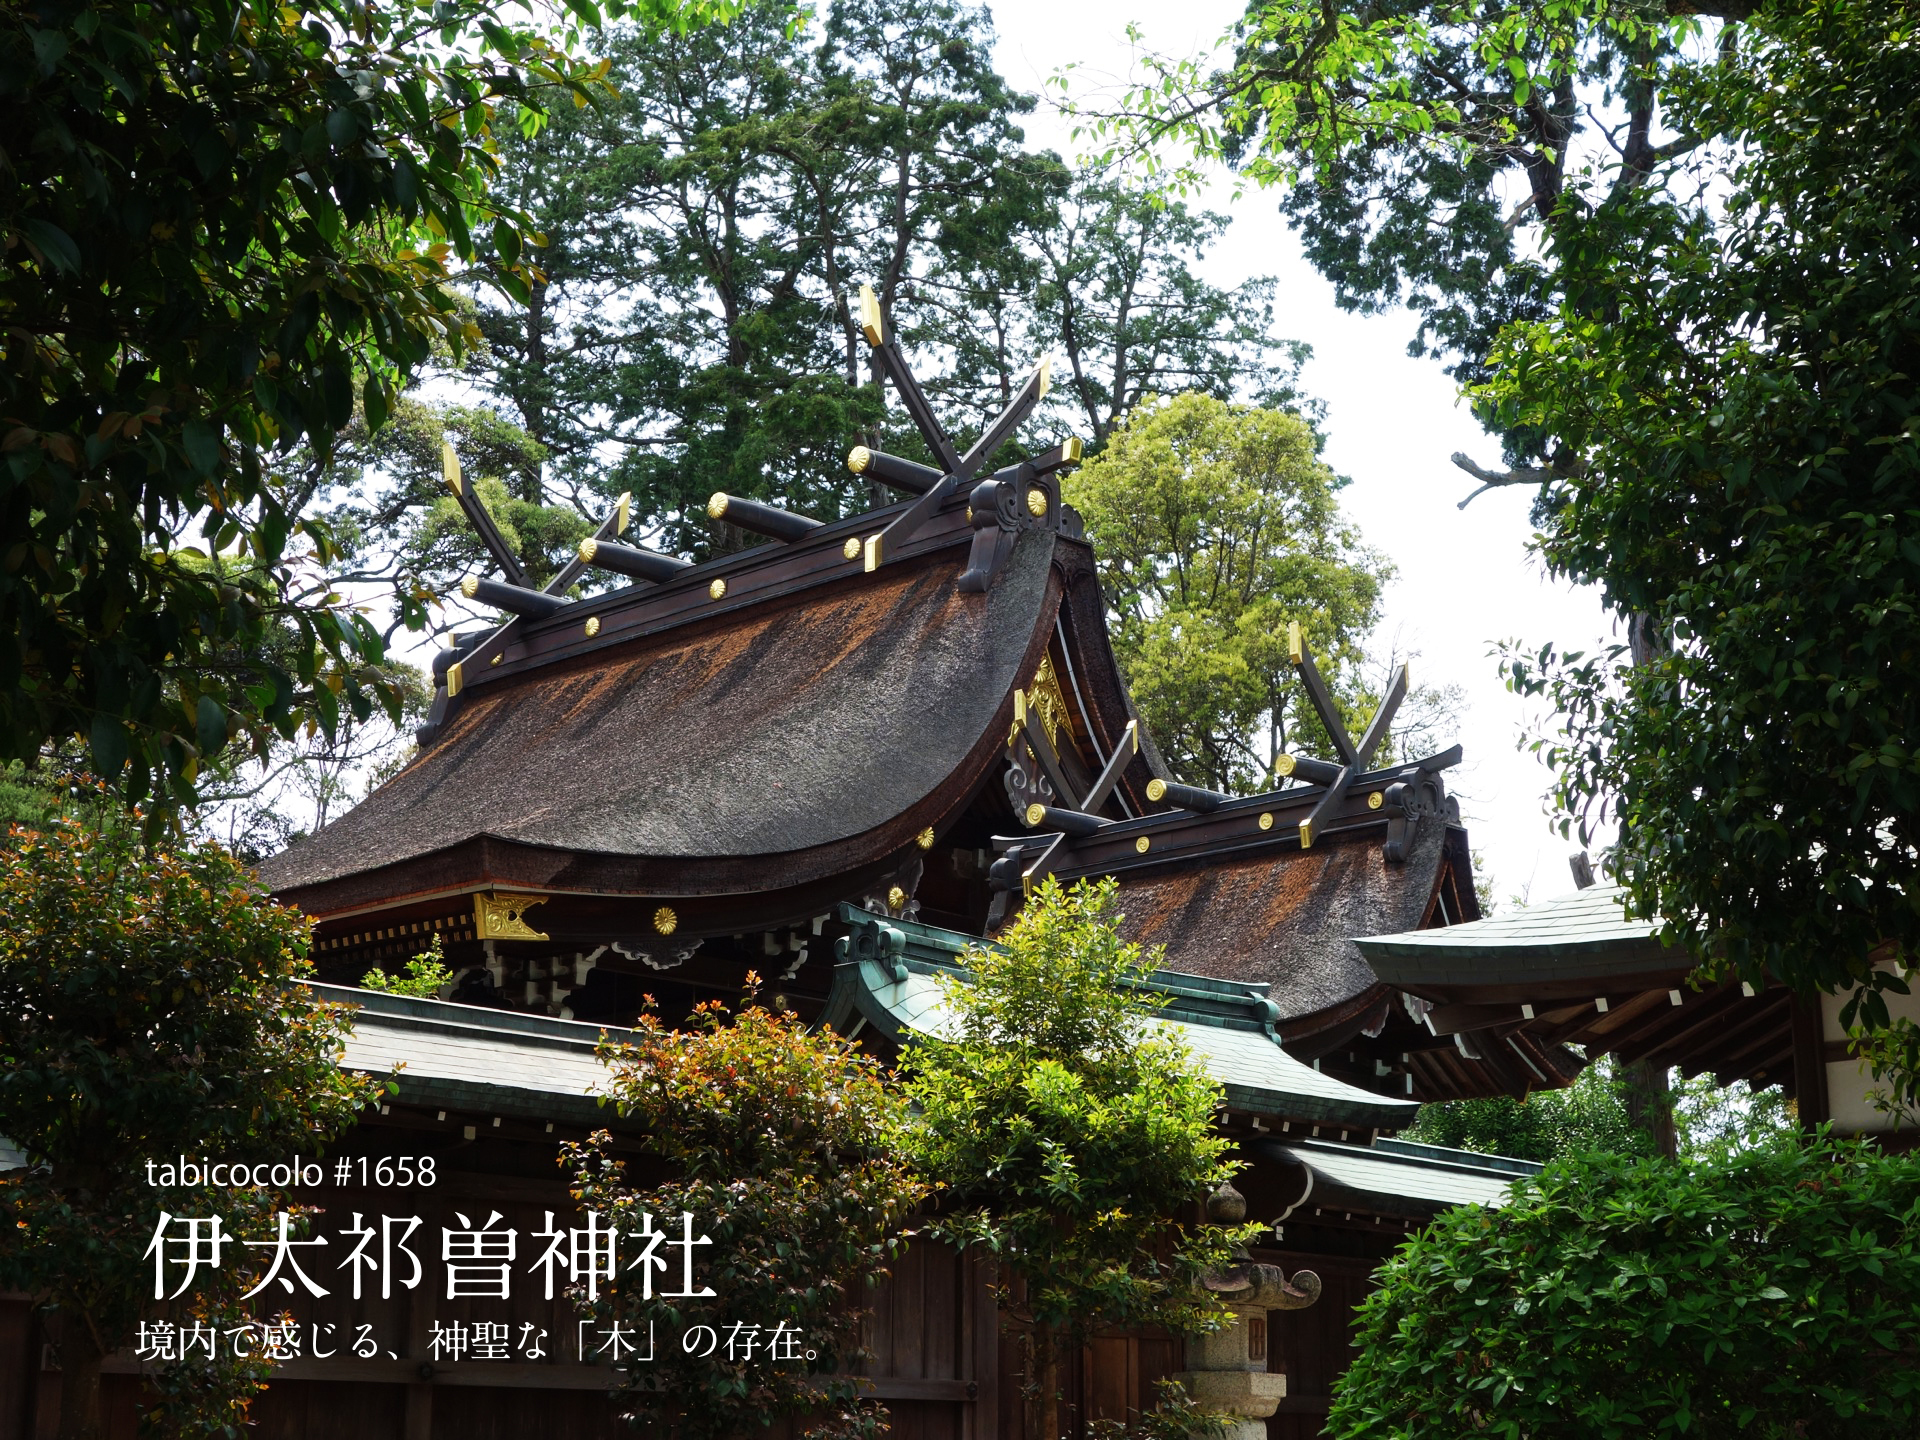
pixel 1395 1177
pixel 893 976
pixel 463 1057
pixel 1584 935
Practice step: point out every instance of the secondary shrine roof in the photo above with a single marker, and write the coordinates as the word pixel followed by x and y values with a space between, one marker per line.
pixel 1579 971
pixel 1286 922
pixel 1394 1176
pixel 1587 933
pixel 475 1060
pixel 893 977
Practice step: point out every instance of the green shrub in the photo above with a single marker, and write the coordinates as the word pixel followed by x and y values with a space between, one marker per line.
pixel 1774 1294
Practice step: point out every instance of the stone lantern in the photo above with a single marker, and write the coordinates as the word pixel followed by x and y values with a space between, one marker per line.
pixel 1228 1368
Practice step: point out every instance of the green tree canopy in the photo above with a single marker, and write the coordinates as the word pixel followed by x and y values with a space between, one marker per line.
pixel 1742 410
pixel 1590 1114
pixel 150 1007
pixel 1070 1136
pixel 1772 1295
pixel 689 327
pixel 224 223
pixel 1214 525
pixel 1677 269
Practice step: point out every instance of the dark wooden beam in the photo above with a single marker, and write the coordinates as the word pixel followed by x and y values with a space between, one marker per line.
pixel 610 528
pixel 962 470
pixel 907 475
pixel 1766 1029
pixel 1185 797
pixel 887 352
pixel 478 517
pixel 514 599
pixel 1116 765
pixel 1810 1063
pixel 1713 1024
pixel 1318 695
pixel 1383 717
pixel 1454 1019
pixel 759 517
pixel 1691 1017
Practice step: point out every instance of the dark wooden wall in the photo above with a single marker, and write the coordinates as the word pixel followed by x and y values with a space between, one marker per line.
pixel 941 1363
pixel 1312 1347
pixel 934 1341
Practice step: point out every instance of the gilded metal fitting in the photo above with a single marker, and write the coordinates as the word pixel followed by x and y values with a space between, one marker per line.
pixel 1376 800
pixel 1037 502
pixel 717 504
pixel 1036 812
pixel 593 626
pixel 716 590
pixel 470 587
pixel 896 897
pixel 665 921
pixel 852 548
pixel 1266 820
pixel 858 458
pixel 1284 766
pixel 1140 845
pixel 1156 789
pixel 588 549
pixel 925 838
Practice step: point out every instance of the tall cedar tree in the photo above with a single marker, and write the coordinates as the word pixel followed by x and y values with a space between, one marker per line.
pixel 1070 1136
pixel 689 328
pixel 150 1007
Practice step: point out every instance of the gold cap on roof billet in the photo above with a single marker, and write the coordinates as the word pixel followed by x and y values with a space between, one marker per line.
pixel 717 504
pixel 588 549
pixel 858 458
pixel 1156 789
pixel 470 587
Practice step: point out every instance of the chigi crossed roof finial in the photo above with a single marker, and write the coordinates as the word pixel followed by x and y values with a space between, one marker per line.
pixel 995 503
pixel 1018 497
pixel 1326 796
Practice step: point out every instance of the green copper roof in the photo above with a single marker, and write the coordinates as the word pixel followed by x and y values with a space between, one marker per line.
pixel 465 1058
pixel 1394 1176
pixel 892 976
pixel 1587 933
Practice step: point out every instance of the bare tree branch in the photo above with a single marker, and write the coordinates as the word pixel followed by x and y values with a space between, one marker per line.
pixel 1494 479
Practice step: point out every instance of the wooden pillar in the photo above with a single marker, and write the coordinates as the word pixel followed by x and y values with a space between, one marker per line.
pixel 1810 1064
pixel 421 1311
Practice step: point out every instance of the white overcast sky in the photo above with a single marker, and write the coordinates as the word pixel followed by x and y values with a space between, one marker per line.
pixel 1466 580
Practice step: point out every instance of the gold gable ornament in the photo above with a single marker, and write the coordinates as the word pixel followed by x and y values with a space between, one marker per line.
pixel 1045 699
pixel 503 917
